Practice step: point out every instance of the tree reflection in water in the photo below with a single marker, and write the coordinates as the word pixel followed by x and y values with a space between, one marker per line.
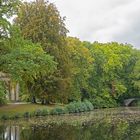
pixel 106 129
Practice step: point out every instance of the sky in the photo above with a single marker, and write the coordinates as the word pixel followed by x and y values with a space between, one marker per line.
pixel 102 20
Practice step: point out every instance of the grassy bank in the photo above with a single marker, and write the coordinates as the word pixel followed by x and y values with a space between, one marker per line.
pixel 15 111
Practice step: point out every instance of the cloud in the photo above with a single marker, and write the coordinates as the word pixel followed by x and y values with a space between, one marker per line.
pixel 102 20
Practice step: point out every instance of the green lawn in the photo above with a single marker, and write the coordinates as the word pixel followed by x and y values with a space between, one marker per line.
pixel 12 109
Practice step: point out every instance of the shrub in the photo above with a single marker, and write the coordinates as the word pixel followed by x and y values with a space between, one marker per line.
pixel 38 112
pixel 44 112
pixel 84 107
pixel 4 117
pixel 26 115
pixel 53 112
pixel 100 102
pixel 75 107
pixel 57 111
pixel 71 107
pixel 78 107
pixel 32 114
pixel 16 116
pixel 89 105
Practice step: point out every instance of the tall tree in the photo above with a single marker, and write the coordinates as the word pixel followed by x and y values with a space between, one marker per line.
pixel 7 9
pixel 108 76
pixel 25 62
pixel 41 22
pixel 81 66
pixel 135 76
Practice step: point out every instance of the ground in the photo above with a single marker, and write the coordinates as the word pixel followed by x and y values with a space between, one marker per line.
pixel 12 109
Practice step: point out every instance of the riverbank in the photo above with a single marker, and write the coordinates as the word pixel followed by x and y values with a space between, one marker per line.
pixel 11 110
pixel 83 118
pixel 16 111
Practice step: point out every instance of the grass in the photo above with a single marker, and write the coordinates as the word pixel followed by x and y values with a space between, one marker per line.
pixel 12 109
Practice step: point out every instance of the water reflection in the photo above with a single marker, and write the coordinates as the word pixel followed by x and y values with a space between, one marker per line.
pixel 107 128
pixel 10 133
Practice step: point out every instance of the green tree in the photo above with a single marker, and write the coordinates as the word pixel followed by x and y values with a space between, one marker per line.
pixel 81 65
pixel 107 78
pixel 7 9
pixel 26 62
pixel 2 93
pixel 21 59
pixel 41 22
pixel 135 75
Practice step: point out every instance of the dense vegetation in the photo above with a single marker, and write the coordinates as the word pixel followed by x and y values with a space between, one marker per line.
pixel 54 68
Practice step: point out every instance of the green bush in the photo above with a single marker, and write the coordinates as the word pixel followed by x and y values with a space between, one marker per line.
pixel 15 116
pixel 44 112
pixel 4 117
pixel 79 107
pixel 76 107
pixel 38 112
pixel 32 114
pixel 26 115
pixel 53 112
pixel 88 105
pixel 58 111
pixel 100 102
pixel 71 107
pixel 84 106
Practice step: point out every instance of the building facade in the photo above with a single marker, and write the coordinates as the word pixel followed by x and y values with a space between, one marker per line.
pixel 12 88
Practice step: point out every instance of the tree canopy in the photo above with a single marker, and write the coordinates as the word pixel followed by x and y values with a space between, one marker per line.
pixel 52 67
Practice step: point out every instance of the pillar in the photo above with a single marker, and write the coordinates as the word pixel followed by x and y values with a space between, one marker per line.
pixel 12 92
pixel 17 92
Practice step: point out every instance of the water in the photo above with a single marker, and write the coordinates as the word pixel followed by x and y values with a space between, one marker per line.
pixel 107 124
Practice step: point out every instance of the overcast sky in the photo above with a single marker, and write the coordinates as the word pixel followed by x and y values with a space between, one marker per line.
pixel 102 20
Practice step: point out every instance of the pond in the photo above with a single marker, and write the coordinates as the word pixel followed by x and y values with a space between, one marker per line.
pixel 104 124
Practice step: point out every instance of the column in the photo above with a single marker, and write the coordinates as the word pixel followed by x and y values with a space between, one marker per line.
pixel 17 92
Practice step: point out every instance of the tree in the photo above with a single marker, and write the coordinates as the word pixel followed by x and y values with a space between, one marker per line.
pixel 21 59
pixel 2 93
pixel 81 66
pixel 25 62
pixel 41 22
pixel 7 9
pixel 135 75
pixel 107 78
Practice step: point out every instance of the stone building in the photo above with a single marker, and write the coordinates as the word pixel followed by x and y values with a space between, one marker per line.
pixel 12 88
